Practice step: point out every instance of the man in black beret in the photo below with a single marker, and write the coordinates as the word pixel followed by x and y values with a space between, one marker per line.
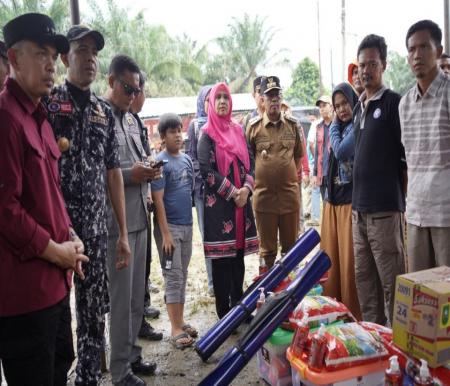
pixel 4 65
pixel 38 247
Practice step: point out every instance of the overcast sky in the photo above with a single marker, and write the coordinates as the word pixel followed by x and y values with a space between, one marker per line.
pixel 296 25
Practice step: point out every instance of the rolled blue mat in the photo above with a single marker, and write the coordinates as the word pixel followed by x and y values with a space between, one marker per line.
pixel 217 334
pixel 268 318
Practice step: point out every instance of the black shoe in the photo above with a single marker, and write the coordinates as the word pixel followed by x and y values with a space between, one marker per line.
pixel 131 380
pixel 151 312
pixel 143 368
pixel 148 332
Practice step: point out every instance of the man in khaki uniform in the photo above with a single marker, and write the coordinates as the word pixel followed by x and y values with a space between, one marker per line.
pixel 277 147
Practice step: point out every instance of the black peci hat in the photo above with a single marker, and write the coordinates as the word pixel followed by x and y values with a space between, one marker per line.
pixel 257 84
pixel 36 27
pixel 269 83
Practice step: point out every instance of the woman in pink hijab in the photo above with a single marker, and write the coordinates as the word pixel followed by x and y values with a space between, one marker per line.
pixel 227 167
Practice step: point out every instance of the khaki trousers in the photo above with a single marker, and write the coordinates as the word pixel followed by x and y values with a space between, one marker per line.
pixel 379 258
pixel 337 242
pixel 428 247
pixel 268 225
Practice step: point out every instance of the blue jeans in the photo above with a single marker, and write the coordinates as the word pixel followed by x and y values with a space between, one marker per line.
pixel 200 208
pixel 315 203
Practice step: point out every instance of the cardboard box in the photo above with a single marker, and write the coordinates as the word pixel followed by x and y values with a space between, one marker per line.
pixel 422 315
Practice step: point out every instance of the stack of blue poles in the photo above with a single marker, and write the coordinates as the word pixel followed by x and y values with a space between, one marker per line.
pixel 214 338
pixel 268 318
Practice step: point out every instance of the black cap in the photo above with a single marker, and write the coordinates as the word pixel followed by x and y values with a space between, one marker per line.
pixel 257 84
pixel 269 83
pixel 77 32
pixel 36 27
pixel 3 50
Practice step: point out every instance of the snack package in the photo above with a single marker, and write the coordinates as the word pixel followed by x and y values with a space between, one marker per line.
pixel 384 332
pixel 320 309
pixel 350 344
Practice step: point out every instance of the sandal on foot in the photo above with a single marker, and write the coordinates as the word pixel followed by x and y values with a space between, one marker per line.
pixel 177 341
pixel 193 333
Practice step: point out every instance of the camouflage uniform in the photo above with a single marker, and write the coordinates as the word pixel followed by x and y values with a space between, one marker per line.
pixel 89 148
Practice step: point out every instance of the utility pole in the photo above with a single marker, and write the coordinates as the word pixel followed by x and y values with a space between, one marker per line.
pixel 318 44
pixel 343 39
pixel 331 65
pixel 74 12
pixel 446 26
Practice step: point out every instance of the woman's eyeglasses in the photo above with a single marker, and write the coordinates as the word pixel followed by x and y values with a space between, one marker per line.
pixel 129 90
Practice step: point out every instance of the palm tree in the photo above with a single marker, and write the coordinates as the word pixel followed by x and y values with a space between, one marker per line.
pixel 244 49
pixel 58 10
pixel 171 65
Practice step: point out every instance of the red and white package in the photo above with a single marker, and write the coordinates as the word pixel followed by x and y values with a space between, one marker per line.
pixel 350 344
pixel 321 310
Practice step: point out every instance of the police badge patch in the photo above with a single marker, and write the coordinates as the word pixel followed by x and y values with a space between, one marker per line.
pixel 54 107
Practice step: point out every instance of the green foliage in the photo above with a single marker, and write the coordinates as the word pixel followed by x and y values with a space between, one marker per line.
pixel 305 87
pixel 398 75
pixel 58 10
pixel 174 66
pixel 245 48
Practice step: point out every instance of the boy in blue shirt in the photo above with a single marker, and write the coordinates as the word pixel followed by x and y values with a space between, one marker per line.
pixel 172 196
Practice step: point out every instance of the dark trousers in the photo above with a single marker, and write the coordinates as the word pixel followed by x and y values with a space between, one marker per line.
pixel 36 348
pixel 228 279
pixel 323 189
pixel 148 263
pixel 92 303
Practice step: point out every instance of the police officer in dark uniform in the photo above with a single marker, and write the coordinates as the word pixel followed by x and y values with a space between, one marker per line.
pixel 84 129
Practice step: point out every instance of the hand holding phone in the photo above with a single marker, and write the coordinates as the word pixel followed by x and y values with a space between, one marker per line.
pixel 159 163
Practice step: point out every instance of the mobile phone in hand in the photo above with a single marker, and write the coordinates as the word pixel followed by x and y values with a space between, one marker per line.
pixel 159 163
pixel 167 259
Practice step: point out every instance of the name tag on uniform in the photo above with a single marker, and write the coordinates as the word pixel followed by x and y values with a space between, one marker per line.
pixel 66 108
pixel 98 119
pixel 97 115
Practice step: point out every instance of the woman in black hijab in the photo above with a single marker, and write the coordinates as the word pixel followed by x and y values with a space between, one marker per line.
pixel 336 230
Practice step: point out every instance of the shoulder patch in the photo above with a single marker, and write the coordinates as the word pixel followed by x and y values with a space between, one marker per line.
pixel 254 120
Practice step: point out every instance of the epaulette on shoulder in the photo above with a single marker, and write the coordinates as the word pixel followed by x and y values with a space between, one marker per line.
pixel 104 104
pixel 254 120
pixel 290 118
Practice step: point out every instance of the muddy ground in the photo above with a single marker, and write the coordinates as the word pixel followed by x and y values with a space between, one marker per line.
pixel 184 367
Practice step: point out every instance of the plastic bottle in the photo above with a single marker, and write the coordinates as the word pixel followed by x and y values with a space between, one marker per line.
pixel 424 378
pixel 261 300
pixel 300 339
pixel 318 350
pixel 393 375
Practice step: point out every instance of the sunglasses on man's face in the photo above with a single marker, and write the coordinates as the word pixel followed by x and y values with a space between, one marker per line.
pixel 129 90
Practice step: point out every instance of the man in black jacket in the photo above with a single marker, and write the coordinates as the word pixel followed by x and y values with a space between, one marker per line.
pixel 378 186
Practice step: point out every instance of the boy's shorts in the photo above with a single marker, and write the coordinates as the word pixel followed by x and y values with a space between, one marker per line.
pixel 176 277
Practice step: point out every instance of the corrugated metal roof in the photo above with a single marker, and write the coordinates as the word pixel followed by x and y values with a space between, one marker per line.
pixel 154 107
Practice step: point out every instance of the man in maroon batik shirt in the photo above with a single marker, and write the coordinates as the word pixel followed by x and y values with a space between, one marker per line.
pixel 38 248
